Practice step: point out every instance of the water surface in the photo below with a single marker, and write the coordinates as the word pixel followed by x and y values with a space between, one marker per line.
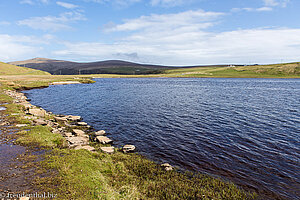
pixel 243 130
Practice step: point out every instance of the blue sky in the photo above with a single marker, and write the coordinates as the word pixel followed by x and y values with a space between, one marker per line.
pixel 169 32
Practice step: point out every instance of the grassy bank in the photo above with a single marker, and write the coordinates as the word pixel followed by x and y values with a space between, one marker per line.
pixel 288 70
pixel 80 174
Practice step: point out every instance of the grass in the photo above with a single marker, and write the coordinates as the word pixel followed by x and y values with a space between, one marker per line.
pixel 289 70
pixel 7 69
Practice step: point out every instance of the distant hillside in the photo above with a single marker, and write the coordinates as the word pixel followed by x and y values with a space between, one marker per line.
pixel 8 69
pixel 283 70
pixel 103 67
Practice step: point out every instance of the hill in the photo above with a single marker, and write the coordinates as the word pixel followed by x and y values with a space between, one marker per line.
pixel 284 70
pixel 8 69
pixel 102 67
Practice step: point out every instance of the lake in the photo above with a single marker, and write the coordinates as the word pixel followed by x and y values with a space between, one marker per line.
pixel 243 130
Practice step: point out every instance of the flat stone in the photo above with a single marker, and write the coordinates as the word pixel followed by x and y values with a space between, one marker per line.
pixel 21 125
pixel 76 141
pixel 73 118
pixel 87 147
pixel 60 119
pixel 81 123
pixel 40 122
pixel 68 134
pixel 108 149
pixel 15 114
pixel 128 148
pixel 103 139
pixel 37 112
pixel 100 133
pixel 78 132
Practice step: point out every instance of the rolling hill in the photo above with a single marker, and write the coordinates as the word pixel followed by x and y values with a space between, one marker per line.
pixel 8 69
pixel 61 67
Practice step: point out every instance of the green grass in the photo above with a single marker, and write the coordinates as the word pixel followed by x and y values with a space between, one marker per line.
pixel 85 175
pixel 289 70
pixel 7 69
pixel 40 136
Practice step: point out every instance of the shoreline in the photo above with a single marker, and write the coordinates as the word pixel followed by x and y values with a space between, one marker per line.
pixel 165 168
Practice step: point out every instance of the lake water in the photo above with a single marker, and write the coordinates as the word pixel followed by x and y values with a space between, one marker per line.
pixel 243 130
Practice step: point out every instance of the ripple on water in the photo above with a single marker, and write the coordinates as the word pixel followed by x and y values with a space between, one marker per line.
pixel 244 130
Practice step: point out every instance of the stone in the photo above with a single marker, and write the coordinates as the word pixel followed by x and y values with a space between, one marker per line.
pixel 100 133
pixel 40 122
pixel 103 139
pixel 87 147
pixel 60 119
pixel 128 148
pixel 4 124
pixel 77 141
pixel 37 112
pixel 73 118
pixel 26 105
pixel 108 149
pixel 55 130
pixel 167 166
pixel 81 123
pixel 21 125
pixel 67 134
pixel 78 132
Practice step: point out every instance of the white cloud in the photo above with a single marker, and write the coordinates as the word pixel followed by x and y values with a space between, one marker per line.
pixel 33 2
pixel 183 39
pixel 18 47
pixel 261 9
pixel 198 19
pixel 30 2
pixel 66 5
pixel 53 23
pixel 192 47
pixel 4 23
pixel 117 3
pixel 282 3
pixel 169 3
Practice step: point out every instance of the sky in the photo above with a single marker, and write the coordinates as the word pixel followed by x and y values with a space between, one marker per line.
pixel 166 32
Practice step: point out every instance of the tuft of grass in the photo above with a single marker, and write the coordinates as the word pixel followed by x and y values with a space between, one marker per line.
pixel 40 136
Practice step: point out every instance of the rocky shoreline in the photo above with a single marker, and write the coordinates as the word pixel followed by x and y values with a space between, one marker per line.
pixel 78 134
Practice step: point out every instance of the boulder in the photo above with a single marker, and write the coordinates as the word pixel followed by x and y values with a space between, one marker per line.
pixel 103 139
pixel 40 122
pixel 37 112
pixel 78 132
pixel 100 133
pixel 128 148
pixel 87 147
pixel 108 149
pixel 167 166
